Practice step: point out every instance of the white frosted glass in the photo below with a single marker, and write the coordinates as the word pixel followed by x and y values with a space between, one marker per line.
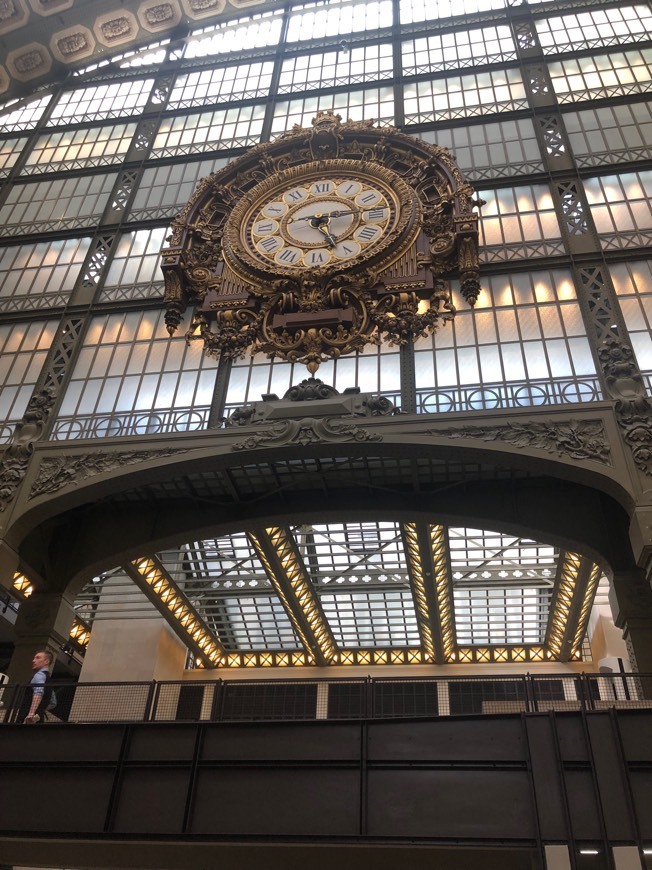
pixel 512 361
pixel 445 335
pixel 642 215
pixel 206 386
pixel 642 344
pixel 128 389
pixel 550 321
pixel 137 359
pixel 424 369
pixel 446 368
pixel 581 356
pixel 549 225
pixel 259 383
pixel 18 368
pixel 119 359
pixel 464 331
pixel 156 356
pixel 490 364
pixel 390 373
pixel 490 230
pixel 175 352
pixel 633 314
pixel 368 374
pixel 467 361
pixel 186 388
pixel 237 385
pixel 507 325
pixel 560 365
pixel 107 397
pixel 537 365
pixel 528 323
pixel 511 229
pixel 37 361
pixel 572 317
pixel 346 373
pixel 97 395
pixel 7 398
pixel 143 399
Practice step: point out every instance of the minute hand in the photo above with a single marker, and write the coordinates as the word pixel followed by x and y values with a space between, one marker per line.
pixel 329 214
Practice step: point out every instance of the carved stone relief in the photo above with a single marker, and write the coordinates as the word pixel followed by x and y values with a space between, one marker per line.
pixel 203 8
pixel 573 439
pixel 54 474
pixel 50 7
pixel 157 15
pixel 633 408
pixel 72 44
pixel 307 431
pixel 29 61
pixel 13 14
pixel 15 460
pixel 116 28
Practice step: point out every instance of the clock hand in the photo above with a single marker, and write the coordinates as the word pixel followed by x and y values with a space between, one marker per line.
pixel 317 219
pixel 323 229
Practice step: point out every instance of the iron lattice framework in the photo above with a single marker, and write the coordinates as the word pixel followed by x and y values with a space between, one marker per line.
pixel 364 593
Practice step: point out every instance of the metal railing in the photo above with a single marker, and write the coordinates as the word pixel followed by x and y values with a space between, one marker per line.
pixel 332 699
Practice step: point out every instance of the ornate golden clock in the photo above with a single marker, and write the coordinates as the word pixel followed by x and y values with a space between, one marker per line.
pixel 321 242
pixel 330 217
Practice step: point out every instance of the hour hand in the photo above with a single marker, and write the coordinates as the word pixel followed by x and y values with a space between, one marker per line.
pixel 323 228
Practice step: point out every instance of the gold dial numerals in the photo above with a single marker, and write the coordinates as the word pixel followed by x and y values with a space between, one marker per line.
pixel 319 223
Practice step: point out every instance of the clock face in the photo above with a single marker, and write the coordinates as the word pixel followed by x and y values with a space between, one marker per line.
pixel 322 221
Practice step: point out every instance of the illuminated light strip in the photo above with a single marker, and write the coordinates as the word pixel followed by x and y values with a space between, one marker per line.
pixel 303 637
pixel 563 601
pixel 149 572
pixel 585 612
pixel 443 590
pixel 415 567
pixel 303 590
pixel 294 572
pixel 80 633
pixel 22 584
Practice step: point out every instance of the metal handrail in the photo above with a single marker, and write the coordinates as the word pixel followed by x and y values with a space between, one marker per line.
pixel 327 698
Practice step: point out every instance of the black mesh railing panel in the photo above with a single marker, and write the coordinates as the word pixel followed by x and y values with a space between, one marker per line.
pixel 348 700
pixel 288 700
pixel 487 696
pixel 258 701
pixel 396 698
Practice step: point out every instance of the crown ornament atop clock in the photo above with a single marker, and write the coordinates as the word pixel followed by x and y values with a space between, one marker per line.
pixel 325 240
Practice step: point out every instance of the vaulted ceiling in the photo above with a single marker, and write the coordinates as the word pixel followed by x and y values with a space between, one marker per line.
pixel 44 40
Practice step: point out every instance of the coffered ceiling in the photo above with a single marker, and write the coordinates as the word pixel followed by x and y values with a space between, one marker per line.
pixel 43 40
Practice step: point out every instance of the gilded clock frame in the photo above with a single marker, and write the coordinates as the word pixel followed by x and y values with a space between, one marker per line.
pixel 401 235
pixel 394 291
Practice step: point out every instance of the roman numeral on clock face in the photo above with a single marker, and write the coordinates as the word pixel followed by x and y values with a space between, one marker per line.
pixel 367 234
pixel 316 258
pixel 270 244
pixel 288 256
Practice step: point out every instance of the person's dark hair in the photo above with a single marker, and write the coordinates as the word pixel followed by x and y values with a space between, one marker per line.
pixel 47 654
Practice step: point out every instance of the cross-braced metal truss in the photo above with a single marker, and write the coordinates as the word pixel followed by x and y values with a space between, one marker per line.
pixel 372 592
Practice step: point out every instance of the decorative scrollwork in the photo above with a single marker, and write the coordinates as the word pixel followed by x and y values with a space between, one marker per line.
pixel 577 440
pixel 306 431
pixel 633 408
pixel 393 289
pixel 16 457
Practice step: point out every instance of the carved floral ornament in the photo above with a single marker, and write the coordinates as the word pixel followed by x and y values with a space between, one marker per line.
pixel 321 242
